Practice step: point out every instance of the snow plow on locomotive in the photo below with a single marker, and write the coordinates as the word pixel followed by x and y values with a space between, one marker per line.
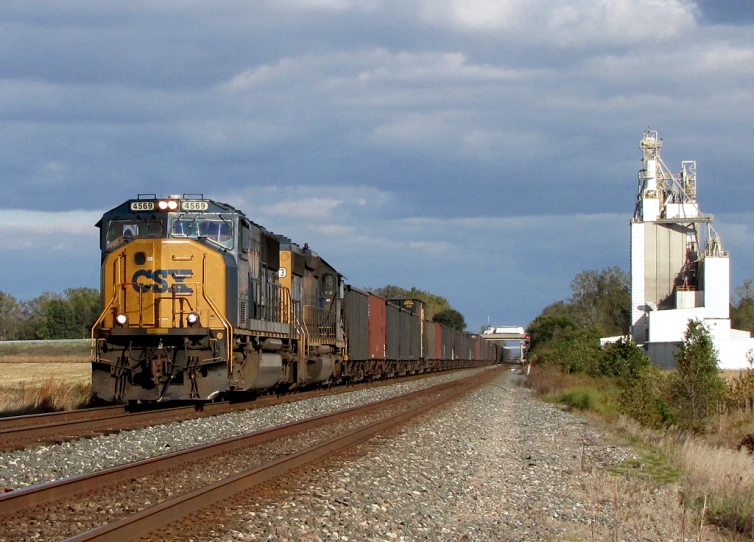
pixel 201 302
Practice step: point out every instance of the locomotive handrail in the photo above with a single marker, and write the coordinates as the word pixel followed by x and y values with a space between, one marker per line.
pixel 99 321
pixel 226 323
pixel 322 321
pixel 102 315
pixel 303 351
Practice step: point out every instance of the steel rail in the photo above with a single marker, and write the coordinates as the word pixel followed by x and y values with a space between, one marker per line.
pixel 21 431
pixel 67 429
pixel 44 493
pixel 155 517
pixel 29 420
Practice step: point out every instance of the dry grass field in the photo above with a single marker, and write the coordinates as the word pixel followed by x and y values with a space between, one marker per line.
pixel 45 352
pixel 43 377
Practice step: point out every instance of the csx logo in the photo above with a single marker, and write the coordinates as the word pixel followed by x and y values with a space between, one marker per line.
pixel 156 281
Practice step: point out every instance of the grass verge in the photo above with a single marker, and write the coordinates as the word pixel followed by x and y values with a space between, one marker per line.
pixel 29 388
pixel 715 478
pixel 49 395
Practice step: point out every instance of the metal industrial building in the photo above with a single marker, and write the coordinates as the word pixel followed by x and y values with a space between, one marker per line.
pixel 679 270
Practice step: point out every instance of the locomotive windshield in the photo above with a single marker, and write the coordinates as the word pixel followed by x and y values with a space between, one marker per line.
pixel 120 230
pixel 215 229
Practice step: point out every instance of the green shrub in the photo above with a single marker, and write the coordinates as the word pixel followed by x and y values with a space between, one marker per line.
pixel 643 398
pixel 623 359
pixel 588 398
pixel 696 387
pixel 579 398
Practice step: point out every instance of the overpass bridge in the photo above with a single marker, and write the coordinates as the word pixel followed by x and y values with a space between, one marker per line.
pixel 509 333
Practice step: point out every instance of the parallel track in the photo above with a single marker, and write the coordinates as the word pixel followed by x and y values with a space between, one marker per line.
pixel 156 517
pixel 24 431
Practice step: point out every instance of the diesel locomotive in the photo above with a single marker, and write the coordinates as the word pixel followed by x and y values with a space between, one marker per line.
pixel 200 302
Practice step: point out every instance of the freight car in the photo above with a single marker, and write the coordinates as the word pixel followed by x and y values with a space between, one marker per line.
pixel 200 302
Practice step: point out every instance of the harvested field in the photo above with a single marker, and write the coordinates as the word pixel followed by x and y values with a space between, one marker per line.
pixel 45 352
pixel 15 376
pixel 26 388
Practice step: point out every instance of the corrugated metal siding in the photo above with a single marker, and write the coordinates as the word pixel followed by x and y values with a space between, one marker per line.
pixel 377 327
pixel 448 343
pixel 429 340
pixel 415 325
pixel 356 308
pixel 392 331
pixel 404 351
pixel 438 341
pixel 466 346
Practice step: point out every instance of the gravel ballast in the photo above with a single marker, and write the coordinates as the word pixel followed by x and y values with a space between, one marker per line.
pixel 497 465
pixel 53 462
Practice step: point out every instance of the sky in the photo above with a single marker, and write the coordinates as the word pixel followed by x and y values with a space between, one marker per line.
pixel 483 150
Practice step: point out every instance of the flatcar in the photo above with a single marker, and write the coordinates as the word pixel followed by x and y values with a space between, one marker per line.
pixel 201 302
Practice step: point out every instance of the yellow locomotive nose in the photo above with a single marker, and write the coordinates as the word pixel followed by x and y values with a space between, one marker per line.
pixel 157 283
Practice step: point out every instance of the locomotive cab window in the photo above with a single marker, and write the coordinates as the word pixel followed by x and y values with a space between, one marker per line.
pixel 328 289
pixel 217 230
pixel 118 231
pixel 184 228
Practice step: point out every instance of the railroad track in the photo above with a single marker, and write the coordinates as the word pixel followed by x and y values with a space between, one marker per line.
pixel 63 502
pixel 23 431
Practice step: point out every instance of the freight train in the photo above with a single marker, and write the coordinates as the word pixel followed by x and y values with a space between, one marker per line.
pixel 200 302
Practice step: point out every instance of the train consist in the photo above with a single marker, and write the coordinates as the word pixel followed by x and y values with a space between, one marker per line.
pixel 200 302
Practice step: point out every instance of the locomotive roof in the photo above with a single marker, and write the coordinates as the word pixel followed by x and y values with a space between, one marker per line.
pixel 213 206
pixel 287 244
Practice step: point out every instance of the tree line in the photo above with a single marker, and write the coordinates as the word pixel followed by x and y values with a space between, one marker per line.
pixel 72 314
pixel 565 336
pixel 69 315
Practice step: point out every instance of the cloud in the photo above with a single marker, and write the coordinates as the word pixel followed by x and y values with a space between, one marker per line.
pixel 340 70
pixel 333 5
pixel 576 23
pixel 41 232
pixel 306 209
pixel 488 147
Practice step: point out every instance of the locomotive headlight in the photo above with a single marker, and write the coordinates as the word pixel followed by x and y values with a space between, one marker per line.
pixel 193 318
pixel 121 319
pixel 167 204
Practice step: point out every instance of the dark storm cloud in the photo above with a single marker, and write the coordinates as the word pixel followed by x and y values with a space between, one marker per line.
pixel 736 12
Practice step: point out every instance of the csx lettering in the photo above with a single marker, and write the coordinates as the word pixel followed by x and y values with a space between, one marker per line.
pixel 157 281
